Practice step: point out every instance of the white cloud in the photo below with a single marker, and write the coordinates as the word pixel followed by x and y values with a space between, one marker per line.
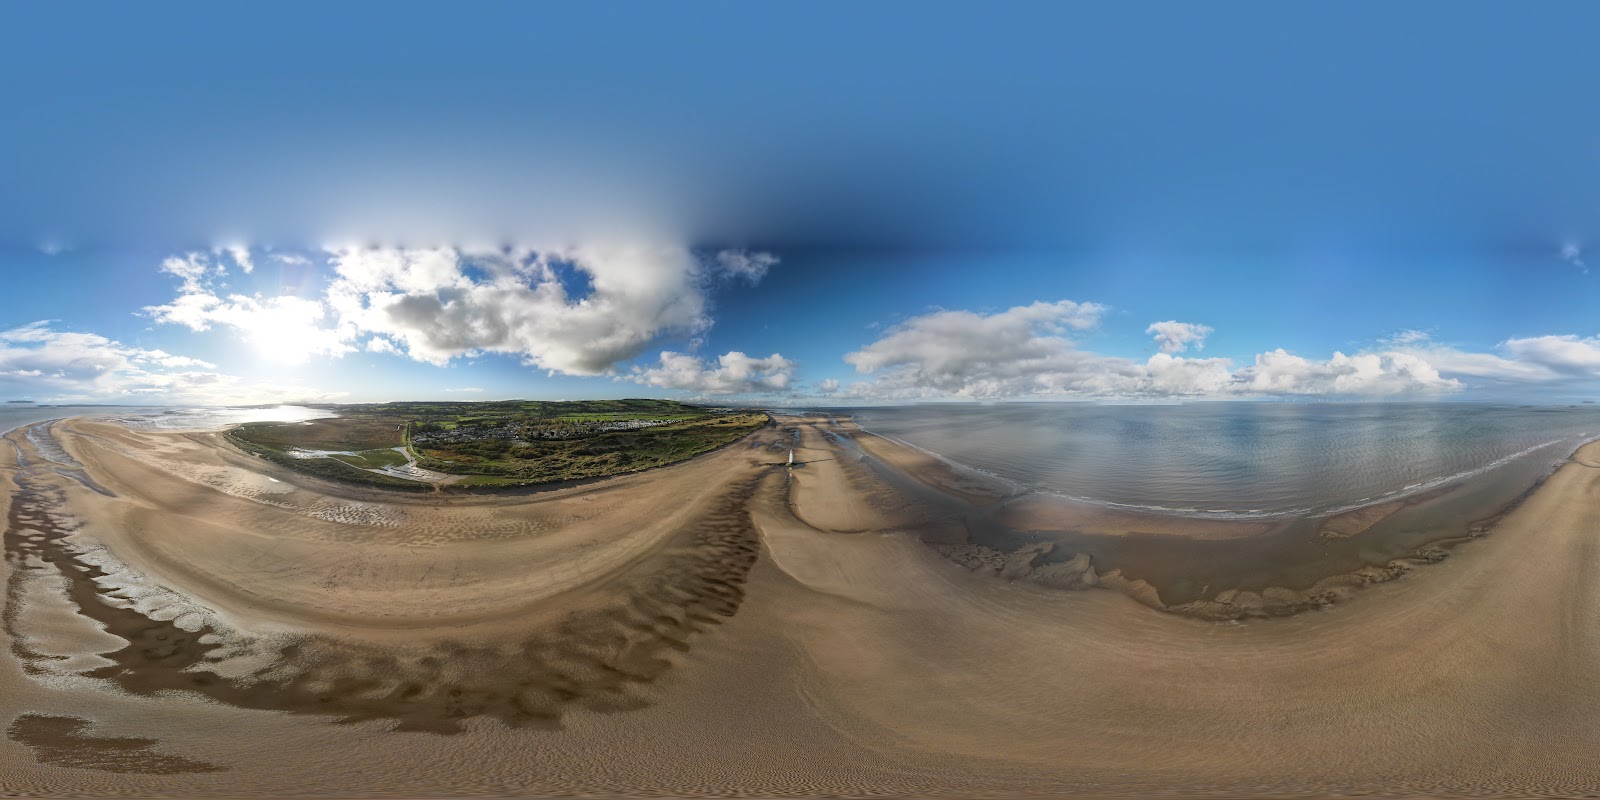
pixel 828 386
pixel 1408 337
pixel 282 328
pixel 1566 355
pixel 1025 352
pixel 731 373
pixel 469 389
pixel 947 351
pixel 240 255
pixel 291 259
pixel 190 268
pixel 379 344
pixel 39 361
pixel 577 311
pixel 1176 337
pixel 1363 374
pixel 1572 253
pixel 747 264
pixel 1165 374
pixel 1534 359
pixel 167 360
pixel 1452 361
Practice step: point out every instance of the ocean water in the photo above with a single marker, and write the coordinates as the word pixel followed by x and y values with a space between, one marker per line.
pixel 159 418
pixel 15 415
pixel 188 418
pixel 1241 459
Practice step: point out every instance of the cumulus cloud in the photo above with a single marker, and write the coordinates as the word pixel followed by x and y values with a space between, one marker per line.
pixel 577 311
pixel 1565 355
pixel 750 265
pixel 828 386
pixel 1026 352
pixel 1175 337
pixel 191 269
pixel 730 373
pixel 39 361
pixel 947 350
pixel 1363 374
pixel 1452 361
pixel 1533 359
pixel 379 344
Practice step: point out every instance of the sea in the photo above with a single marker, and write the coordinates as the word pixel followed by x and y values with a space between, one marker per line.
pixel 1242 459
pixel 15 415
pixel 1290 465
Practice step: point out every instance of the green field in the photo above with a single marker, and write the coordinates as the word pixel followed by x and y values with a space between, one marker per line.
pixel 500 462
pixel 512 443
pixel 354 432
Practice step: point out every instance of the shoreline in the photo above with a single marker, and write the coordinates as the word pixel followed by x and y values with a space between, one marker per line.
pixel 1066 543
pixel 984 524
pixel 1341 508
pixel 731 625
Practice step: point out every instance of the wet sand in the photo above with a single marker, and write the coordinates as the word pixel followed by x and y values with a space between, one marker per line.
pixel 182 619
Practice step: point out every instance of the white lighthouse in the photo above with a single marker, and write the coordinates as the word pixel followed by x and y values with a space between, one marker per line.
pixel 791 457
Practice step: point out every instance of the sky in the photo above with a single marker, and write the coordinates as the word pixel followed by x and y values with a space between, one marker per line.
pixel 783 203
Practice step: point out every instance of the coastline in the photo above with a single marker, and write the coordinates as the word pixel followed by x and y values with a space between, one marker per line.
pixel 1158 557
pixel 731 618
pixel 854 481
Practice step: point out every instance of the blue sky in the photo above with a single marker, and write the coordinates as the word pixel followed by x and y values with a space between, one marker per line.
pixel 770 202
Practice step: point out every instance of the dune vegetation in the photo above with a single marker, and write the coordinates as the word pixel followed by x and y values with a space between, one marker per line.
pixel 512 443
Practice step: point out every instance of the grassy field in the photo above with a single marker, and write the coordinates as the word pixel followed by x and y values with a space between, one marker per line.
pixel 497 462
pixel 513 443
pixel 356 432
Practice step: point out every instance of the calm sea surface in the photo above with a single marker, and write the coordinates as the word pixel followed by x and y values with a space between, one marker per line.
pixel 176 418
pixel 1243 459
pixel 13 415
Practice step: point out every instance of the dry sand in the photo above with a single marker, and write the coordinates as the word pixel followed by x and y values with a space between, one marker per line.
pixel 728 626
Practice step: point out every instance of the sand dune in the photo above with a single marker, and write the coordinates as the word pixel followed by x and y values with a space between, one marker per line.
pixel 729 626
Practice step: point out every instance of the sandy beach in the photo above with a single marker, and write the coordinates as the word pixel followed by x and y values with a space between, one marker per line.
pixel 732 626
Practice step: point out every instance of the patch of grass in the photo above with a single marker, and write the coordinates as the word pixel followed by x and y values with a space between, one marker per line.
pixel 338 433
pixel 500 443
pixel 497 462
